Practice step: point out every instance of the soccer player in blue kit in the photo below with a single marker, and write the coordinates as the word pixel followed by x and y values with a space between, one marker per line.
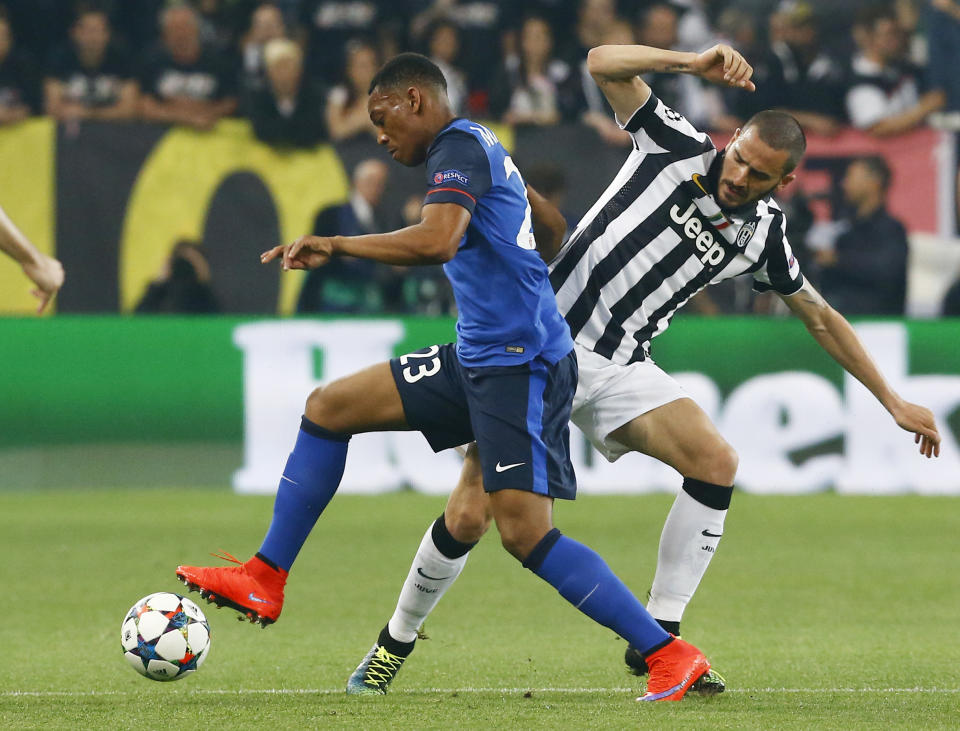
pixel 507 383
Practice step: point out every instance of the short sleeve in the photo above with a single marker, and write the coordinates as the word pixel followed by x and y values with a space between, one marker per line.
pixel 655 128
pixel 780 270
pixel 458 170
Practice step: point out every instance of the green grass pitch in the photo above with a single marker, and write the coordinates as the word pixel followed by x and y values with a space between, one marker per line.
pixel 822 611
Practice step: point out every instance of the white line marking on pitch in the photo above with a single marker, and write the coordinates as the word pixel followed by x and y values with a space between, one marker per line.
pixel 433 691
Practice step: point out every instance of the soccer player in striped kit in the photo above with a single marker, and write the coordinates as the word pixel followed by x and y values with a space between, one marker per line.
pixel 679 215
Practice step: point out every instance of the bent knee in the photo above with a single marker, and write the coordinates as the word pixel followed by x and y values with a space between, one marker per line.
pixel 519 540
pixel 718 464
pixel 467 524
pixel 515 545
pixel 323 407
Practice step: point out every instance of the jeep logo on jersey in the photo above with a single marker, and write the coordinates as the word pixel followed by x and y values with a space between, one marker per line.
pixel 746 233
pixel 693 228
pixel 448 175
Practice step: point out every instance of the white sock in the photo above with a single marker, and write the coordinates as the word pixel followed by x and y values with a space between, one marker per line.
pixel 430 576
pixel 689 539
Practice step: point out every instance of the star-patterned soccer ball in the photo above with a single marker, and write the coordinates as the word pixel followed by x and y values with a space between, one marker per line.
pixel 165 636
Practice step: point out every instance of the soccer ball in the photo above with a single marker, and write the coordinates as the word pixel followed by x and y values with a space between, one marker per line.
pixel 165 636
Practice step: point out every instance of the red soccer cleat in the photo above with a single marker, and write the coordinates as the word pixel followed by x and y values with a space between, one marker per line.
pixel 673 669
pixel 254 588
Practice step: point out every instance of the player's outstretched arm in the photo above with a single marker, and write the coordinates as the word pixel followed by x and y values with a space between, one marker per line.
pixel 616 70
pixel 44 271
pixel 549 225
pixel 432 241
pixel 835 335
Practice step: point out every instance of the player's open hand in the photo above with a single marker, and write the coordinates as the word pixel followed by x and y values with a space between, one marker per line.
pixel 47 273
pixel 723 65
pixel 920 421
pixel 307 252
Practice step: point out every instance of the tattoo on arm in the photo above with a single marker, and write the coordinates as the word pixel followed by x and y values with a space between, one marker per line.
pixel 811 297
pixel 807 303
pixel 666 69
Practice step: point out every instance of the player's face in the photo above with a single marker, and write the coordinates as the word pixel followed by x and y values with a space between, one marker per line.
pixel 399 128
pixel 751 170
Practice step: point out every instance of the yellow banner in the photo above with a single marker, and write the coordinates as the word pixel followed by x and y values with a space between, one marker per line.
pixel 27 195
pixel 172 194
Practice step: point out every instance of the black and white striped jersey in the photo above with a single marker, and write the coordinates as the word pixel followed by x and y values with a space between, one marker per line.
pixel 657 236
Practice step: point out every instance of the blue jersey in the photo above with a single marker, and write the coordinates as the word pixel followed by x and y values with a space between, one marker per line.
pixel 507 310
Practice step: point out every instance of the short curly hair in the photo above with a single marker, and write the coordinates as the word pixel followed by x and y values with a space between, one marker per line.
pixel 408 69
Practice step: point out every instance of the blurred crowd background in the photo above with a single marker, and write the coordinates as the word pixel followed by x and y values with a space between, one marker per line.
pixel 298 70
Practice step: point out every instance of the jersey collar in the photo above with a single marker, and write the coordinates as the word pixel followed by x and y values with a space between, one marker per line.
pixel 442 132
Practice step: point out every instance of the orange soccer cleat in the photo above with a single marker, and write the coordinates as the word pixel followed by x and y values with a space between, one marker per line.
pixel 254 588
pixel 673 669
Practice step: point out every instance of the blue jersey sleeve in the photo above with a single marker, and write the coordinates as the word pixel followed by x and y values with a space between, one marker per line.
pixel 458 170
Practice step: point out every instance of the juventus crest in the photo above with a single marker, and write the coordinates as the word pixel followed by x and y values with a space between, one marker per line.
pixel 745 234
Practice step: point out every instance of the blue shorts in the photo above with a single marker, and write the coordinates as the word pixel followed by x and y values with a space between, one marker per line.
pixel 518 415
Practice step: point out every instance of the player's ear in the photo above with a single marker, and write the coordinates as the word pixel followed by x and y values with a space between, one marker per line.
pixel 785 181
pixel 414 99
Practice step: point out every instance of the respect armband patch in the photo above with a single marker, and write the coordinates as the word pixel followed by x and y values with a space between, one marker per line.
pixel 450 176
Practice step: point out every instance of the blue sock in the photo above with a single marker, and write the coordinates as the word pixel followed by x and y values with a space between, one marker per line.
pixel 583 578
pixel 310 479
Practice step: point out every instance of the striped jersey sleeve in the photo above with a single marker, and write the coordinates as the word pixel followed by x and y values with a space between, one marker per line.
pixel 657 128
pixel 779 269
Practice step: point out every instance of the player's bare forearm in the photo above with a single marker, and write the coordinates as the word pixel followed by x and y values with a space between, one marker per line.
pixel 836 336
pixel 411 246
pixel 44 271
pixel 14 243
pixel 843 345
pixel 841 342
pixel 720 64
pixel 617 69
pixel 621 63
pixel 549 225
pixel 434 240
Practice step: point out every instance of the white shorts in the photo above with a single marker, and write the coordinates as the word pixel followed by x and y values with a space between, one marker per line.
pixel 609 395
